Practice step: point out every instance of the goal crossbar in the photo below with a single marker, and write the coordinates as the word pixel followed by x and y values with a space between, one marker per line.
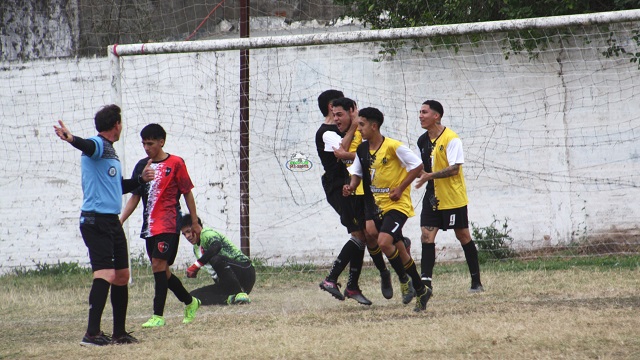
pixel 374 35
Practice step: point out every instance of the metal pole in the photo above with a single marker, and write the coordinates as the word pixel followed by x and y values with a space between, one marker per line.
pixel 244 131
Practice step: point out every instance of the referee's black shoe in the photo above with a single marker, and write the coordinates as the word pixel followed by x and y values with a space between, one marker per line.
pixel 100 339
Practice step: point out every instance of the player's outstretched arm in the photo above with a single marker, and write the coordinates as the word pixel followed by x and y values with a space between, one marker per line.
pixel 62 132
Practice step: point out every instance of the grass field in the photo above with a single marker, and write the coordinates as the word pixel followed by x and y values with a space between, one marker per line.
pixel 581 308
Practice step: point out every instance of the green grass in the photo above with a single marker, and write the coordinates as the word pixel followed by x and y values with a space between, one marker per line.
pixel 533 309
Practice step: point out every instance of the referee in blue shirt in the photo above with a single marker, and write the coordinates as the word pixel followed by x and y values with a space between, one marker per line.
pixel 102 187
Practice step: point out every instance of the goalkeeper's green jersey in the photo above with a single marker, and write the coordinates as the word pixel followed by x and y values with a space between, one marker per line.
pixel 209 236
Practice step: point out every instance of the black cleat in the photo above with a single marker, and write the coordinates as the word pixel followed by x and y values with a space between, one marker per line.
pixel 422 299
pixel 407 244
pixel 95 340
pixel 408 292
pixel 476 288
pixel 357 296
pixel 123 339
pixel 332 288
pixel 385 284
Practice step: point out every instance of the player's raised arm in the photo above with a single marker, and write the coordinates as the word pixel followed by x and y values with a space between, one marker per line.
pixel 62 132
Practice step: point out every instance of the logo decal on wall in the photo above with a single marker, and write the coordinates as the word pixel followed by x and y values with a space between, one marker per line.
pixel 299 163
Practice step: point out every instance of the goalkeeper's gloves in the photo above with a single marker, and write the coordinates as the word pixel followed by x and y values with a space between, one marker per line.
pixel 192 271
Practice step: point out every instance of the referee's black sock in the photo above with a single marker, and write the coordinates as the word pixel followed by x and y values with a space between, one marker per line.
pixel 160 297
pixel 119 302
pixel 97 300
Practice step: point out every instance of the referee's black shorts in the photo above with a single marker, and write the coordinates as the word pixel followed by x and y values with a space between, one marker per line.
pixel 105 239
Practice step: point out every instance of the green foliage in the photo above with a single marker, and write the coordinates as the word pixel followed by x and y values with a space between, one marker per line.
pixel 493 241
pixel 386 14
pixel 63 268
pixel 616 50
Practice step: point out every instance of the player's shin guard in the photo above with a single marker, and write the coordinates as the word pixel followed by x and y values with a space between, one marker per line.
pixel 396 264
pixel 471 254
pixel 349 248
pixel 428 262
pixel 412 271
pixel 175 285
pixel 160 297
pixel 355 268
pixel 376 256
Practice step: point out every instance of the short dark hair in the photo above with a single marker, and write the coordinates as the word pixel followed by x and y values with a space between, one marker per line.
pixel 153 132
pixel 435 106
pixel 185 220
pixel 344 103
pixel 372 114
pixel 107 117
pixel 325 99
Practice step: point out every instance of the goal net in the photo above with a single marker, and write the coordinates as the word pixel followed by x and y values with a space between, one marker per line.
pixel 545 109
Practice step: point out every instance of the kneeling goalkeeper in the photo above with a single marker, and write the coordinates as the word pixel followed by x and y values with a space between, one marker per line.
pixel 232 271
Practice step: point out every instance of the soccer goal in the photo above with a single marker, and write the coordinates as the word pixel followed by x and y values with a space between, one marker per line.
pixel 547 110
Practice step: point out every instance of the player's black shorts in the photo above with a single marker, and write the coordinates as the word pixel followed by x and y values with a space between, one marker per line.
pixel 391 223
pixel 352 216
pixel 106 241
pixel 333 192
pixel 163 246
pixel 444 219
pixel 350 208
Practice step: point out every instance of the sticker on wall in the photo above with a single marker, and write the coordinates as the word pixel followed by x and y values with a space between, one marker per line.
pixel 299 163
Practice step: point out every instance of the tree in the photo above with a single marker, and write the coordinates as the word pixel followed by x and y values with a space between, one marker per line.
pixel 384 14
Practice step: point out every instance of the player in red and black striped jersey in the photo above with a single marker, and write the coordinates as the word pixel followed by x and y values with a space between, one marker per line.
pixel 161 227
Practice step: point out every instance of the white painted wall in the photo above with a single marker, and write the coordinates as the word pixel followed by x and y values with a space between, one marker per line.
pixel 550 144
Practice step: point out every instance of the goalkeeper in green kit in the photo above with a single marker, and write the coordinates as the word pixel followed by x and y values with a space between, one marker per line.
pixel 232 271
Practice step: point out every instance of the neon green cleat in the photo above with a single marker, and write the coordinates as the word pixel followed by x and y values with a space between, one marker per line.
pixel 238 299
pixel 190 310
pixel 155 321
pixel 408 292
pixel 242 298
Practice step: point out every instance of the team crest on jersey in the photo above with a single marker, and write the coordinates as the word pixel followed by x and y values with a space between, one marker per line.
pixel 163 247
pixel 112 171
pixel 299 163
pixel 167 171
pixel 384 160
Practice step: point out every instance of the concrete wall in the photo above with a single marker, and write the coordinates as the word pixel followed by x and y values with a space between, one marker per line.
pixel 551 144
pixel 60 28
